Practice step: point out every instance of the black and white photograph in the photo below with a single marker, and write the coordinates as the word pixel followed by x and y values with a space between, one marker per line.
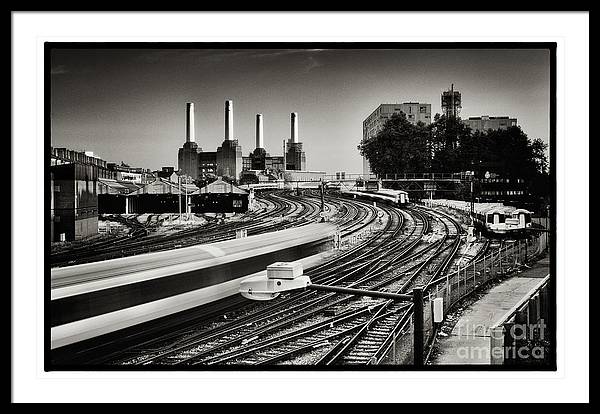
pixel 326 206
pixel 322 206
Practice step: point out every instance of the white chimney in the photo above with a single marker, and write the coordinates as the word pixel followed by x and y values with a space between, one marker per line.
pixel 228 120
pixel 294 127
pixel 259 131
pixel 190 133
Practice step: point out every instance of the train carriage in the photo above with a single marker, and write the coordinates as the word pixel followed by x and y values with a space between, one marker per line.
pixel 493 218
pixel 502 220
pixel 396 198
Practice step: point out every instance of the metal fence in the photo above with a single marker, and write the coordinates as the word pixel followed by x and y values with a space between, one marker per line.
pixel 463 281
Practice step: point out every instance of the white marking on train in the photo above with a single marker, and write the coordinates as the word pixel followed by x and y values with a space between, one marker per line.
pixel 212 250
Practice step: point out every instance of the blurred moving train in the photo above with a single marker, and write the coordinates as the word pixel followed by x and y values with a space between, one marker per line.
pixel 93 299
pixel 396 198
pixel 493 218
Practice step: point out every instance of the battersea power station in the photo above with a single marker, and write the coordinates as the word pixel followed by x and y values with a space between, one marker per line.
pixel 228 161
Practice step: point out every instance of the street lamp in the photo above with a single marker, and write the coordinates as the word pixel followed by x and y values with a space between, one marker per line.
pixel 287 276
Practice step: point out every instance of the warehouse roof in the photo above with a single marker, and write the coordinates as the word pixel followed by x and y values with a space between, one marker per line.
pixel 220 186
pixel 108 186
pixel 163 186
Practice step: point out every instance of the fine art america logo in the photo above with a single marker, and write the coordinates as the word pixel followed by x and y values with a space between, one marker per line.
pixel 518 343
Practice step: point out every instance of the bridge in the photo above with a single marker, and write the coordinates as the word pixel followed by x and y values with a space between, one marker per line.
pixel 410 182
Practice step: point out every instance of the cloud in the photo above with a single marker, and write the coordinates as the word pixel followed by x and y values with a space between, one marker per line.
pixel 311 64
pixel 276 53
pixel 218 55
pixel 59 70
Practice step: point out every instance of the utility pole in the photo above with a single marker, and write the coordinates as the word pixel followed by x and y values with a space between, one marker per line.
pixel 472 198
pixel 417 296
pixel 179 198
pixel 322 190
pixel 284 158
pixel 187 217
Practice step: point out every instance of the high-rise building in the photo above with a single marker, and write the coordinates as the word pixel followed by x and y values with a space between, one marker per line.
pixel 485 122
pixel 414 111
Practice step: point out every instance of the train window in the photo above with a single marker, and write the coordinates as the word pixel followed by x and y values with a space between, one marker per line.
pixel 527 218
pixel 490 218
pixel 501 218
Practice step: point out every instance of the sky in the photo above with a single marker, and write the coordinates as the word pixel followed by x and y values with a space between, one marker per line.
pixel 129 104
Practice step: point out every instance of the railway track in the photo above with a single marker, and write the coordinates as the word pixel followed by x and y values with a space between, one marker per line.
pixel 370 343
pixel 273 322
pixel 311 327
pixel 284 211
pixel 347 216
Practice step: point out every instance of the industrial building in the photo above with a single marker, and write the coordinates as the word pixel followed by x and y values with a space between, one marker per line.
pixel 60 156
pixel 295 157
pixel 261 160
pixel 485 122
pixel 161 196
pixel 228 161
pixel 124 172
pixel 220 197
pixel 82 186
pixel 207 163
pixel 74 179
pixel 187 156
pixel 73 201
pixel 415 112
pixel 112 195
pixel 225 161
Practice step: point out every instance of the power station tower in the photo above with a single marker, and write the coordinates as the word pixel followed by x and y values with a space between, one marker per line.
pixel 295 157
pixel 187 157
pixel 229 154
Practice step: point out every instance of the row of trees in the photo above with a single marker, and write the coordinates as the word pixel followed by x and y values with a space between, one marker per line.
pixel 448 145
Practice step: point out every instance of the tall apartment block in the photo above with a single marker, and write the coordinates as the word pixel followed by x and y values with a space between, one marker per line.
pixel 414 111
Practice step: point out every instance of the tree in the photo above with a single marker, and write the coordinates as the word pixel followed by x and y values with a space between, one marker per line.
pixel 450 141
pixel 513 154
pixel 398 148
pixel 448 145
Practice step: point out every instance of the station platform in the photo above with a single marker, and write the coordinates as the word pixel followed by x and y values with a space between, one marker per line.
pixel 469 338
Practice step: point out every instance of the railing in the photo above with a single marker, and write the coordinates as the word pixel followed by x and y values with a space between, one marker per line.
pixel 400 176
pixel 463 281
pixel 425 176
pixel 522 335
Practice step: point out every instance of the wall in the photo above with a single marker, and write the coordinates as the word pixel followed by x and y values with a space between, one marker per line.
pixel 219 203
pixel 229 159
pixel 74 198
